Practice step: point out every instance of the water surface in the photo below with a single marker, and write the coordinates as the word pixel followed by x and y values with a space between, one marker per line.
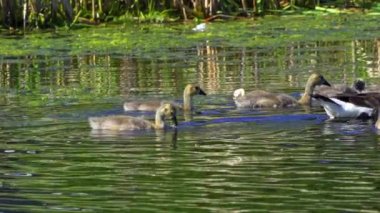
pixel 221 159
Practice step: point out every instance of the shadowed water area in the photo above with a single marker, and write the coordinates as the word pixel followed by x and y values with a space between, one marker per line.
pixel 220 158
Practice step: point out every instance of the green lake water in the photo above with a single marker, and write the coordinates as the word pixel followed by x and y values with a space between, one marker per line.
pixel 220 159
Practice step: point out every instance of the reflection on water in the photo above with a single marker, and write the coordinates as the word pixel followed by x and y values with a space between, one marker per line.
pixel 168 136
pixel 217 69
pixel 218 159
pixel 347 127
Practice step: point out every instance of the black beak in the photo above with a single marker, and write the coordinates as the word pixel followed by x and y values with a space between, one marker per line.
pixel 201 92
pixel 324 82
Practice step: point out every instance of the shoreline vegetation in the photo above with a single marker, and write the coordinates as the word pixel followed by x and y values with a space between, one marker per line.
pixel 28 15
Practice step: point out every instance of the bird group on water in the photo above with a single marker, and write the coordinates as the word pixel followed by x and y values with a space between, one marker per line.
pixel 339 101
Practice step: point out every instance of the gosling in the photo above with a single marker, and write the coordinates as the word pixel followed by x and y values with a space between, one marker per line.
pixel 264 99
pixel 188 93
pixel 123 122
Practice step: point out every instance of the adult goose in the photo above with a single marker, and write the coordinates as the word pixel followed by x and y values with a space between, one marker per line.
pixel 336 89
pixel 123 122
pixel 260 98
pixel 188 93
pixel 357 87
pixel 363 88
pixel 360 105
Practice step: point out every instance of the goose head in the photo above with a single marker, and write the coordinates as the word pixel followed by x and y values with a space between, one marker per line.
pixel 359 85
pixel 238 93
pixel 192 90
pixel 317 79
pixel 168 111
pixel 314 80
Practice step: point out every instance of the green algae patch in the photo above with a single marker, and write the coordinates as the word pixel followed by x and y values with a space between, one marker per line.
pixel 156 40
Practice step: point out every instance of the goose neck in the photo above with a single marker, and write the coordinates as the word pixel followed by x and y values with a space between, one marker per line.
pixel 306 97
pixel 187 100
pixel 159 120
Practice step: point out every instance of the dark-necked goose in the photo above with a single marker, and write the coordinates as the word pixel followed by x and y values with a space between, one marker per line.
pixel 260 98
pixel 362 87
pixel 336 89
pixel 333 90
pixel 123 122
pixel 188 93
pixel 350 105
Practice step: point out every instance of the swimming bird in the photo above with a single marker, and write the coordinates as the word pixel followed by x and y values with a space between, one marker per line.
pixel 357 87
pixel 123 122
pixel 361 86
pixel 188 93
pixel 360 105
pixel 337 89
pixel 260 98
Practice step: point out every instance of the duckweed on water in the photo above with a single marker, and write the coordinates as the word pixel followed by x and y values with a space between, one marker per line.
pixel 151 40
pixel 75 67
